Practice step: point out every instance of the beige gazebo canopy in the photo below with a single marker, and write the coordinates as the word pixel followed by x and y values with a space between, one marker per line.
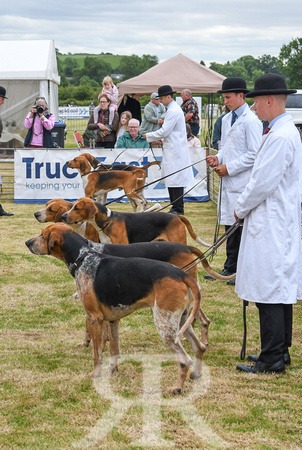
pixel 179 72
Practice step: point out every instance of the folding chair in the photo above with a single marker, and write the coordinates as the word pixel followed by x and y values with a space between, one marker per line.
pixel 78 139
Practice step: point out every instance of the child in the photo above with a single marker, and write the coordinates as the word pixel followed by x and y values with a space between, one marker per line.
pixel 112 92
pixel 123 125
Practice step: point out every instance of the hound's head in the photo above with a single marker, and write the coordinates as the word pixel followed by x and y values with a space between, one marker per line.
pixel 80 163
pixel 53 210
pixel 50 241
pixel 91 159
pixel 83 210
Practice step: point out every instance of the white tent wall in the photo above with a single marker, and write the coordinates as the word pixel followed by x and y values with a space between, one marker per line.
pixel 28 70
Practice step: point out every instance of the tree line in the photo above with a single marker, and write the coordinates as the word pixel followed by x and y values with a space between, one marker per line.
pixel 81 83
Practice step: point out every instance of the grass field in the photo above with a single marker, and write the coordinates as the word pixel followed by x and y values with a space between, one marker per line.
pixel 48 401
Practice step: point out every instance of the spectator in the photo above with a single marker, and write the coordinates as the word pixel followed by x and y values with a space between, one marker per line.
pixel 175 150
pixel 269 263
pixel 39 122
pixel 2 97
pixel 190 109
pixel 130 103
pixel 100 122
pixel 241 138
pixel 217 128
pixel 154 114
pixel 132 138
pixel 123 124
pixel 193 141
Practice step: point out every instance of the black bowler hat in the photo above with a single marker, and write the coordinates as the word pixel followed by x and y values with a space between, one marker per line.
pixel 270 84
pixel 165 90
pixel 233 84
pixel 2 92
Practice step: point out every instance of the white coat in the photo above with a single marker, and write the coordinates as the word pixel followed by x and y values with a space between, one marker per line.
pixel 239 144
pixel 268 268
pixel 175 147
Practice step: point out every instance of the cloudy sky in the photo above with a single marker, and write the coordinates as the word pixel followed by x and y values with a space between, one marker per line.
pixel 217 30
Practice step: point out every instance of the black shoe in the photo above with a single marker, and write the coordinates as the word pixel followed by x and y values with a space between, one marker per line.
pixel 286 358
pixel 231 282
pixel 176 213
pixel 4 213
pixel 261 367
pixel 224 272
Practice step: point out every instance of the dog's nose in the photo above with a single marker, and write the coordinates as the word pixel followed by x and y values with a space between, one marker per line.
pixel 29 242
pixel 64 217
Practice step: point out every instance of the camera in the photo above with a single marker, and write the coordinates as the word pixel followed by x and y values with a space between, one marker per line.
pixel 39 109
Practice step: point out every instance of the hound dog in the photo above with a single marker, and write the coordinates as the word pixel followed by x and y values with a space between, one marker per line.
pixel 112 288
pixel 127 228
pixel 53 213
pixel 96 164
pixel 96 183
pixel 180 255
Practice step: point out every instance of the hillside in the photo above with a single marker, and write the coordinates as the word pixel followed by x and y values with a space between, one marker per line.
pixel 113 60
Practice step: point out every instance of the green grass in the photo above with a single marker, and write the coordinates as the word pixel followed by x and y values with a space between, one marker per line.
pixel 48 401
pixel 113 60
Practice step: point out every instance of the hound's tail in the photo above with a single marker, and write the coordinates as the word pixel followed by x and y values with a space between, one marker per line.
pixel 192 233
pixel 195 293
pixel 151 164
pixel 200 255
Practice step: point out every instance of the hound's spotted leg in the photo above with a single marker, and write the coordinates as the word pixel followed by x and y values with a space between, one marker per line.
pixel 167 324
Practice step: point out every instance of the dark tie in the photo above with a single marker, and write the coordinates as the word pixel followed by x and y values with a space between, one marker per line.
pixel 266 130
pixel 234 118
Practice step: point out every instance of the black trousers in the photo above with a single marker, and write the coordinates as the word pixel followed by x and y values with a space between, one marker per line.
pixel 275 330
pixel 176 198
pixel 232 249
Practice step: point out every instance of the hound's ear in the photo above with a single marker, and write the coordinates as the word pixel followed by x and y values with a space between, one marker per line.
pixel 91 210
pixel 52 241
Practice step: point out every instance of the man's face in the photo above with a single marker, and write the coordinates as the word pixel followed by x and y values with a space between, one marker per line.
pixel 1 100
pixel 260 107
pixel 155 101
pixel 133 129
pixel 184 96
pixel 165 100
pixel 233 100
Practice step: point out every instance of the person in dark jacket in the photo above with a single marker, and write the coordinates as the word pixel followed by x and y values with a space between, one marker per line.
pixel 103 124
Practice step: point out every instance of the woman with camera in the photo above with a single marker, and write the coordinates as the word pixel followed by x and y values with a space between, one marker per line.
pixel 39 122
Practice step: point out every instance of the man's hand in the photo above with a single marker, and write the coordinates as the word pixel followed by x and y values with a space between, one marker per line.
pixel 212 160
pixel 160 121
pixel 221 170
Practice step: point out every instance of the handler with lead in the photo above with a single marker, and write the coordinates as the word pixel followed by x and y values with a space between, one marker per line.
pixel 269 261
pixel 176 154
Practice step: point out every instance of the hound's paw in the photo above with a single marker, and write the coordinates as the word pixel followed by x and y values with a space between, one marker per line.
pixel 75 296
pixel 112 368
pixel 84 344
pixel 174 391
pixel 194 376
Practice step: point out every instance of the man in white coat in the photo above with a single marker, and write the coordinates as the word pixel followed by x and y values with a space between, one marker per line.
pixel 175 149
pixel 269 257
pixel 241 137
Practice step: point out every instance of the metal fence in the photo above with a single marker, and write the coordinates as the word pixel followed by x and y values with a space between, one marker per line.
pixel 6 179
pixel 212 179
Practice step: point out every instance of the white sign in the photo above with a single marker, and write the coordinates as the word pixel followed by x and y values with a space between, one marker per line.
pixel 74 112
pixel 41 175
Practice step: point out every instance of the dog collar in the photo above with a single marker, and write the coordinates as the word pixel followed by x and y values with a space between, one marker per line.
pixel 77 264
